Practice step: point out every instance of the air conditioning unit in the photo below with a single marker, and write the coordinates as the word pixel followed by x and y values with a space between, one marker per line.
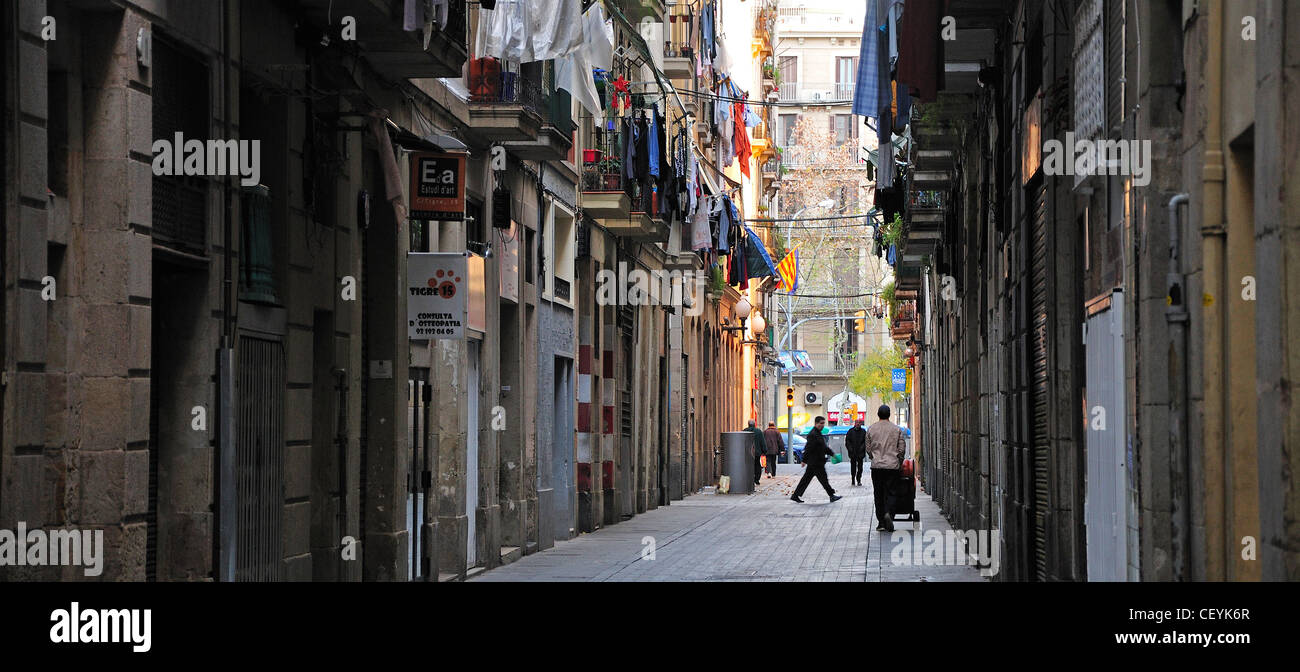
pixel 812 398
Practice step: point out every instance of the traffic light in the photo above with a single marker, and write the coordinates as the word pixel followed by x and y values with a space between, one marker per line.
pixel 860 324
pixel 789 397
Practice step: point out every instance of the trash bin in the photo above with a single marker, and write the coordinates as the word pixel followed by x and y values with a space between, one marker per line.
pixel 738 461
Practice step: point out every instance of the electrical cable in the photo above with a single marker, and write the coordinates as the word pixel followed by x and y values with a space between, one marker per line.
pixel 811 219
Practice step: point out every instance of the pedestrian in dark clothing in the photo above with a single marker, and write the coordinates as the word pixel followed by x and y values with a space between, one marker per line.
pixel 774 443
pixel 855 442
pixel 887 449
pixel 815 454
pixel 758 448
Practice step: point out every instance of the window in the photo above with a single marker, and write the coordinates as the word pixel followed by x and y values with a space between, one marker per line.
pixel 559 253
pixel 789 70
pixel 787 129
pixel 180 105
pixel 844 128
pixel 846 76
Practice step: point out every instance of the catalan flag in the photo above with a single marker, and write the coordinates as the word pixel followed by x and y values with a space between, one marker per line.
pixel 788 271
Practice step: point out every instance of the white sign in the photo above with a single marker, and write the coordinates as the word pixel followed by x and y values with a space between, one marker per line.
pixel 437 284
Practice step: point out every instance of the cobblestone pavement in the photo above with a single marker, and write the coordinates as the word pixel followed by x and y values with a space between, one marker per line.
pixel 758 537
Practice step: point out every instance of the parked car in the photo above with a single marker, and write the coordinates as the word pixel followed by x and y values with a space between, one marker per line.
pixel 834 438
pixel 799 442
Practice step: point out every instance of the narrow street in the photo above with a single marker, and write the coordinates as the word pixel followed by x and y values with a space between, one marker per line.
pixel 759 537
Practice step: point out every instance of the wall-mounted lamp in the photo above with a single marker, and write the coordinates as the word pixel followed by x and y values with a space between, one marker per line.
pixel 741 310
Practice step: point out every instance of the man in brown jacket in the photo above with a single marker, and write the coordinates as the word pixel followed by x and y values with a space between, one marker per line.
pixel 772 439
pixel 886 448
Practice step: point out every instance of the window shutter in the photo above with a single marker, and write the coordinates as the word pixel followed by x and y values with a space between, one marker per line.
pixel 1115 73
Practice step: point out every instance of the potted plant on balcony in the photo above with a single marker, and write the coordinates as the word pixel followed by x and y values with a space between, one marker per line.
pixel 610 168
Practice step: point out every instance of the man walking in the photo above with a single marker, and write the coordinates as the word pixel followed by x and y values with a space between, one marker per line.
pixel 855 443
pixel 815 454
pixel 773 440
pixel 886 447
pixel 759 447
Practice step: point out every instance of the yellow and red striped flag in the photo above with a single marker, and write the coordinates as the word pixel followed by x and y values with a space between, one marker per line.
pixel 788 271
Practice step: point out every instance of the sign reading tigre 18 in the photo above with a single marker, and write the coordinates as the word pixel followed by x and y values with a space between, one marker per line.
pixel 437 284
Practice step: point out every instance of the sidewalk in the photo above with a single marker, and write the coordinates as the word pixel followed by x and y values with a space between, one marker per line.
pixel 758 537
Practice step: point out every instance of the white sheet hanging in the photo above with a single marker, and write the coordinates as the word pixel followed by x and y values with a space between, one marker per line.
pixel 573 72
pixel 524 31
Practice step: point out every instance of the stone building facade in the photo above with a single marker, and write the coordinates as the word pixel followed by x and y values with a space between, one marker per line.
pixel 218 375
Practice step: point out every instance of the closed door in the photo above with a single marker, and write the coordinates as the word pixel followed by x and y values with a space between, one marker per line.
pixel 1107 462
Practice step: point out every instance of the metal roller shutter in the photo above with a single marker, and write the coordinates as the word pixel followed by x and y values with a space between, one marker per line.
pixel 1039 390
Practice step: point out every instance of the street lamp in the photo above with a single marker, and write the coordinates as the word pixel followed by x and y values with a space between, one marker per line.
pixel 741 310
pixel 757 325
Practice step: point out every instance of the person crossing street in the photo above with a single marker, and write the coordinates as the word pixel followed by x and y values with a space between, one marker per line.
pixel 815 455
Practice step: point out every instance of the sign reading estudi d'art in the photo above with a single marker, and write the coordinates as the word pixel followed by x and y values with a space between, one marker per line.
pixel 437 284
pixel 437 186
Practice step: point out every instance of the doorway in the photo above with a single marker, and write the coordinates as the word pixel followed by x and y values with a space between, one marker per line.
pixel 471 460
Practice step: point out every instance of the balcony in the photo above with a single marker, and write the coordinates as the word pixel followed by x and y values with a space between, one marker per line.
pixel 761 145
pixel 505 106
pixel 684 260
pixel 606 191
pixel 815 93
pixel 390 49
pixel 904 324
pixel 611 199
pixel 554 139
pixel 639 226
pixel 828 364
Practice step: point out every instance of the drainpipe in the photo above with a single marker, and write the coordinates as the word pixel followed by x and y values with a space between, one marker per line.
pixel 224 481
pixel 1216 479
pixel 1179 457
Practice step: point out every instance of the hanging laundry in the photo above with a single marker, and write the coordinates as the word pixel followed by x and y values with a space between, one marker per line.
pixel 692 183
pixel 557 26
pixel 722 207
pixel 742 146
pixel 882 57
pixel 759 262
pixel 707 33
pixel 629 136
pixel 885 169
pixel 701 238
pixel 725 129
pixel 622 95
pixel 866 91
pixel 661 135
pixel 736 273
pixel 920 50
pixel 751 117
pixel 904 107
pixel 574 72
pixel 654 138
pixel 524 31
